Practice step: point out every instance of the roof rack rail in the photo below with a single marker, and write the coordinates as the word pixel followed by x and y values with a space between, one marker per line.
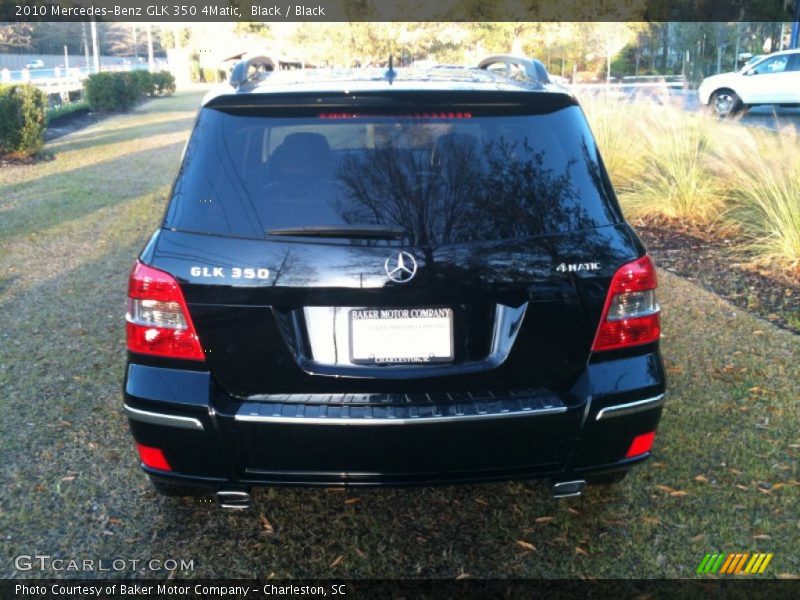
pixel 533 69
pixel 241 73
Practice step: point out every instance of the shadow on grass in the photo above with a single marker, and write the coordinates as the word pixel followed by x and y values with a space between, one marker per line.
pixel 69 195
pixel 98 139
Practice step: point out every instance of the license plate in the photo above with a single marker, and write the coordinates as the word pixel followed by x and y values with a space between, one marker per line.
pixel 401 335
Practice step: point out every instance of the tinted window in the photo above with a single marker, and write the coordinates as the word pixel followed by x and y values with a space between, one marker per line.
pixel 442 177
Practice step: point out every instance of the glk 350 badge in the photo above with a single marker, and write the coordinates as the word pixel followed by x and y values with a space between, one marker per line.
pixel 230 273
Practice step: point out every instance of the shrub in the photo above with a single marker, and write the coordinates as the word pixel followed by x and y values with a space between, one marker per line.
pixel 763 171
pixel 163 83
pixel 211 75
pixel 195 72
pixel 21 119
pixel 143 82
pixel 111 91
pixel 710 175
pixel 63 110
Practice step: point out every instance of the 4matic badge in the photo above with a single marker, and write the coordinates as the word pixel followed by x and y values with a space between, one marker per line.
pixel 575 267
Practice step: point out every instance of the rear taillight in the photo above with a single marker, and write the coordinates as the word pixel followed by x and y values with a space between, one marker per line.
pixel 157 321
pixel 631 313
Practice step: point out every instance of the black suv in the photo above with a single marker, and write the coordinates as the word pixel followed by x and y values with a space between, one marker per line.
pixel 391 277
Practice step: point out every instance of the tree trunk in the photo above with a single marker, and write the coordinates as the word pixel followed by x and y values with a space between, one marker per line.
pixel 95 49
pixel 85 42
pixel 150 61
pixel 664 47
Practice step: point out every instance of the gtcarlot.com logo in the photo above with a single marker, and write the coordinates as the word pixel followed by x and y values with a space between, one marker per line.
pixel 742 563
pixel 46 562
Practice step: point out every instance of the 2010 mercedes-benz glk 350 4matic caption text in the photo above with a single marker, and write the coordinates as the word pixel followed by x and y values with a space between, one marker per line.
pixel 400 277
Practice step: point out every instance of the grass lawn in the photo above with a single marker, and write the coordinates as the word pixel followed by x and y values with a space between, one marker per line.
pixel 724 475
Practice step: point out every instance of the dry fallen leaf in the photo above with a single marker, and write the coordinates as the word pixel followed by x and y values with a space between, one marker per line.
pixel 699 537
pixel 360 553
pixel 463 575
pixel 114 521
pixel 574 511
pixel 337 561
pixel 352 500
pixel 762 536
pixel 580 550
pixel 527 545
pixel 665 488
pixel 543 520
pixel 678 494
pixel 651 520
pixel 701 479
pixel 266 524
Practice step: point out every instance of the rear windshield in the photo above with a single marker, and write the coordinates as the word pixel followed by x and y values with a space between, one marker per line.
pixel 441 177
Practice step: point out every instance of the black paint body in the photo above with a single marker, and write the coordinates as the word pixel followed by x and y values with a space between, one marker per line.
pixel 260 361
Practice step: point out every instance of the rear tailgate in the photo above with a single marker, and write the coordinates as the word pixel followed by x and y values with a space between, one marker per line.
pixel 519 318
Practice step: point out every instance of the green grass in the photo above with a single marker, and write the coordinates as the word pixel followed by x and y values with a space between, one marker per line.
pixel 703 172
pixel 724 475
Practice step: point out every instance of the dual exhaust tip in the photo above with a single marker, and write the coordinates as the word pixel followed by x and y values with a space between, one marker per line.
pixel 240 500
pixel 567 489
pixel 233 499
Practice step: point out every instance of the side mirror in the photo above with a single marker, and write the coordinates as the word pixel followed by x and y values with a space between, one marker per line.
pixel 750 72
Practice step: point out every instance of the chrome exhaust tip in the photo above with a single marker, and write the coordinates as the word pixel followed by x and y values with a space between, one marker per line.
pixel 566 489
pixel 234 499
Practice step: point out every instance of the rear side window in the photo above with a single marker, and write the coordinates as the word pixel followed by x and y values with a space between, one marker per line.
pixel 443 177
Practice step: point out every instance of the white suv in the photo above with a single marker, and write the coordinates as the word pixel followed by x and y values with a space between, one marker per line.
pixel 775 79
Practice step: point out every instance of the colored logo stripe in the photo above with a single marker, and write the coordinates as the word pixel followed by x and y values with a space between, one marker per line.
pixel 734 563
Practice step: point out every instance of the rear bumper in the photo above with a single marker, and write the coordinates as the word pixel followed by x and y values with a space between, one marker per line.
pixel 211 440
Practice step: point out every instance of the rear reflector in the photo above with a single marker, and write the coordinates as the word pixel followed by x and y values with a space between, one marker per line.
pixel 153 457
pixel 641 444
pixel 158 321
pixel 631 315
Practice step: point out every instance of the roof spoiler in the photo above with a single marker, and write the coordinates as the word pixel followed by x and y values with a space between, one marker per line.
pixel 533 69
pixel 242 73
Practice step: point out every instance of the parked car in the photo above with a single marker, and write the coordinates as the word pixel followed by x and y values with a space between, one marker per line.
pixel 386 278
pixel 35 64
pixel 774 79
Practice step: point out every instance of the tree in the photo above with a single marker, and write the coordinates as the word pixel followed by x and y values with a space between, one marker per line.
pixel 15 35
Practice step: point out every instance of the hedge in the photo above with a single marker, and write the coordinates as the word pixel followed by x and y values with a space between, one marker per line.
pixel 120 91
pixel 163 84
pixel 21 119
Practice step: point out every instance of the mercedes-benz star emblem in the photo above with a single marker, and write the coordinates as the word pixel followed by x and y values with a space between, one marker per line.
pixel 401 267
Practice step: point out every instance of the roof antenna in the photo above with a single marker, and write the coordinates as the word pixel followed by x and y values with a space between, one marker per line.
pixel 390 72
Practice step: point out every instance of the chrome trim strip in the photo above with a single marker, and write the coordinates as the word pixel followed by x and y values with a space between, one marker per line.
pixel 631 407
pixel 161 419
pixel 390 421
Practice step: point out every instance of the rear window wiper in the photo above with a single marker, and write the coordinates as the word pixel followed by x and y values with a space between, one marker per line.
pixel 371 232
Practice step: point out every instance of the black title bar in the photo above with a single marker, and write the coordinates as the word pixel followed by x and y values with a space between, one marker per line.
pixel 377 10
